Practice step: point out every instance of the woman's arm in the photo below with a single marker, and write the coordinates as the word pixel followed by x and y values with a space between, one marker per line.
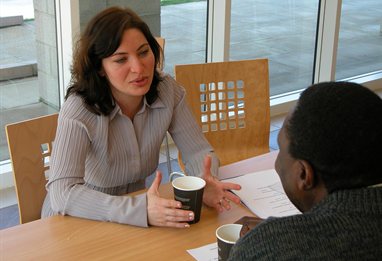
pixel 66 189
pixel 198 154
pixel 188 136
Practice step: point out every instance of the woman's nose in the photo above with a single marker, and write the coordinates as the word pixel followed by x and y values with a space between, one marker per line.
pixel 136 65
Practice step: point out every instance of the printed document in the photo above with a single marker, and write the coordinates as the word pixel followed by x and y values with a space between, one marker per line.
pixel 263 193
pixel 205 253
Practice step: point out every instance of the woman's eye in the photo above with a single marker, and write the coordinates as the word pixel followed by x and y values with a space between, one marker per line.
pixel 120 60
pixel 144 53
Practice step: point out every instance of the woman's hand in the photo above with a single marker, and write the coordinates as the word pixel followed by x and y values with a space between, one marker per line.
pixel 165 212
pixel 217 194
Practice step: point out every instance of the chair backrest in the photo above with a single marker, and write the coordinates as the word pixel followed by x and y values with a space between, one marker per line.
pixel 30 144
pixel 230 101
pixel 161 42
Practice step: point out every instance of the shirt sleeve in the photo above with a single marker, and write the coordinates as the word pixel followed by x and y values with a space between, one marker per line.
pixel 66 190
pixel 188 136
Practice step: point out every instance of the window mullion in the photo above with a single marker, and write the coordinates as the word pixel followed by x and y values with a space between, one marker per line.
pixel 219 28
pixel 68 29
pixel 327 40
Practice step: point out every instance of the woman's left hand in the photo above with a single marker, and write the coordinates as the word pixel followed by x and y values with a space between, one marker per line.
pixel 218 194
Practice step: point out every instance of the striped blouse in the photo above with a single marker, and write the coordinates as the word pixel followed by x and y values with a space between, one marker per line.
pixel 97 159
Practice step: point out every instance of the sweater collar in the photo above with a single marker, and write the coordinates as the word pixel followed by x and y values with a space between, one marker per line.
pixel 375 185
pixel 358 200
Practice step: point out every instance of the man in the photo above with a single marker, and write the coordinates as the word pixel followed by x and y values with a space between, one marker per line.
pixel 330 165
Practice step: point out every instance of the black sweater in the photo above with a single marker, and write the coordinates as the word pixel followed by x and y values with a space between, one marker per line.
pixel 346 225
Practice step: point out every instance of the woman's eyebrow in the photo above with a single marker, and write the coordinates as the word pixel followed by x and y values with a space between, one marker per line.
pixel 142 46
pixel 123 52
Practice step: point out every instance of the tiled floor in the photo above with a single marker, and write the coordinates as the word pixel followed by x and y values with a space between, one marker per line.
pixel 9 217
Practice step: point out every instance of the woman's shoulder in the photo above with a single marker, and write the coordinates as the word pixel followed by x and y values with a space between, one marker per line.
pixel 168 81
pixel 169 87
pixel 75 108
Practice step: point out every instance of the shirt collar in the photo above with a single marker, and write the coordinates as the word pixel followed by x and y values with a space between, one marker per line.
pixel 158 103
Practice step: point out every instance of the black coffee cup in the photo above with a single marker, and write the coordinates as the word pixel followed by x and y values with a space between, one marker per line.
pixel 227 235
pixel 189 191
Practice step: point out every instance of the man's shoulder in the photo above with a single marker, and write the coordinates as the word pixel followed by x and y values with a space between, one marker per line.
pixel 316 231
pixel 282 231
pixel 276 228
pixel 267 240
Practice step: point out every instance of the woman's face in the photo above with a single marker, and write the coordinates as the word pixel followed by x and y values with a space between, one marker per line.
pixel 130 69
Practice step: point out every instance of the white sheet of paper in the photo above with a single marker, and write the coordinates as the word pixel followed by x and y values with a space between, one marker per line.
pixel 205 253
pixel 263 194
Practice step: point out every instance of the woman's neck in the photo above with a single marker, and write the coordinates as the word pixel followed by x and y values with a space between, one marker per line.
pixel 131 106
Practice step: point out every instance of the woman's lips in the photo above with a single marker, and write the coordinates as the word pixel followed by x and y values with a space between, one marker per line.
pixel 140 81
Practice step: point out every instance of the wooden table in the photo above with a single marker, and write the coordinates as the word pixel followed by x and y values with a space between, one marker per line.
pixel 70 238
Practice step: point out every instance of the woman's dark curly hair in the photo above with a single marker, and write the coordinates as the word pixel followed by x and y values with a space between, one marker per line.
pixel 100 39
pixel 337 128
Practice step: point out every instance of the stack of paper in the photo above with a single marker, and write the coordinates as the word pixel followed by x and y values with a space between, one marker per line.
pixel 263 194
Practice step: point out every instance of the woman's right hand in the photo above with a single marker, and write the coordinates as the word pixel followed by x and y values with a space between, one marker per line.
pixel 165 212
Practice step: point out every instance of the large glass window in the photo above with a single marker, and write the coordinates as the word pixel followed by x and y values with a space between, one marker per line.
pixel 183 25
pixel 282 31
pixel 360 39
pixel 28 63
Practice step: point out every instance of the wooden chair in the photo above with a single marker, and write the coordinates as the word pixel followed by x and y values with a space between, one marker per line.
pixel 161 41
pixel 30 144
pixel 230 101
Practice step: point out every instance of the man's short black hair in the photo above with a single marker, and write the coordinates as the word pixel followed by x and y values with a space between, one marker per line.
pixel 337 128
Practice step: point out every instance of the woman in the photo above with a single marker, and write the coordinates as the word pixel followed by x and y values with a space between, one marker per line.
pixel 111 126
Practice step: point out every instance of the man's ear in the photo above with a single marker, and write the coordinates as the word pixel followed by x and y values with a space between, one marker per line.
pixel 306 176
